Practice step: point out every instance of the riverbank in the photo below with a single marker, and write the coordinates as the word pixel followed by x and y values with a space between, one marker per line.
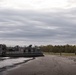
pixel 48 65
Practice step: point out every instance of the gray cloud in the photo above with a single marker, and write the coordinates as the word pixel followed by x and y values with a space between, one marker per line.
pixel 38 27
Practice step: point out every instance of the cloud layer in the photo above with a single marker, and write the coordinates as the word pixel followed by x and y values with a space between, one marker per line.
pixel 25 27
pixel 34 4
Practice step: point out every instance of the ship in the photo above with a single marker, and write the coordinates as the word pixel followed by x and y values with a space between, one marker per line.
pixel 21 52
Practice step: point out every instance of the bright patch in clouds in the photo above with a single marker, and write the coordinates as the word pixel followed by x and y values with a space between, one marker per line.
pixel 72 3
pixel 34 4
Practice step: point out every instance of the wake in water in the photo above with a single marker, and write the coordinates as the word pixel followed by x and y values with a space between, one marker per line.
pixel 7 63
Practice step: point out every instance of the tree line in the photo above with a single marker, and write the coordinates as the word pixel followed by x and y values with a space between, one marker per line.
pixel 59 48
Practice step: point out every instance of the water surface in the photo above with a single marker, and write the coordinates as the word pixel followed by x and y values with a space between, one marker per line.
pixel 7 62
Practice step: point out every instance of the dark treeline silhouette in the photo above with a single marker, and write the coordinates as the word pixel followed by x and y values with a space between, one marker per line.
pixel 59 48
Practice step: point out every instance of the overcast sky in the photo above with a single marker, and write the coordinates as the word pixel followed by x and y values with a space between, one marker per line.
pixel 37 22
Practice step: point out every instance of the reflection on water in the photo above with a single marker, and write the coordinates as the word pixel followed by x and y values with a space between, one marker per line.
pixel 7 63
